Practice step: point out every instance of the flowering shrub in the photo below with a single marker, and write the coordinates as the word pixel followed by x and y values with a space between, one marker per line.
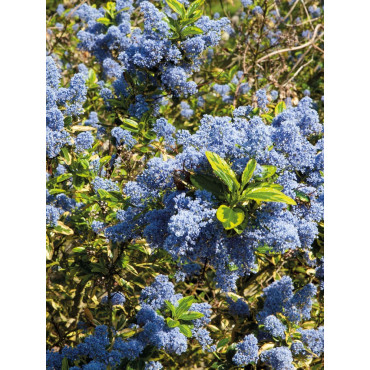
pixel 184 185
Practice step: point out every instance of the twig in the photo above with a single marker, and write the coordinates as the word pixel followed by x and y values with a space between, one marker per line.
pixel 293 48
pixel 298 71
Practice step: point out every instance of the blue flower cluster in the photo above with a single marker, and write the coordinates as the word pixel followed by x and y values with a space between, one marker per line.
pixel 186 226
pixel 57 205
pixel 152 55
pixel 154 332
pixel 116 299
pixel 246 351
pixel 279 298
pixel 61 103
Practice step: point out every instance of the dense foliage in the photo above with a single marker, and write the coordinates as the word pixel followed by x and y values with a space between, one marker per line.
pixel 184 184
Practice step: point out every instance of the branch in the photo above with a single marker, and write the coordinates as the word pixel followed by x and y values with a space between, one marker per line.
pixel 313 39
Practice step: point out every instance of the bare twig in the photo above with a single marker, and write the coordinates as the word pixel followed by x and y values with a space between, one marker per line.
pixel 309 43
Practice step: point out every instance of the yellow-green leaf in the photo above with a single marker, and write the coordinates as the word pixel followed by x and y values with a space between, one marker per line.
pixel 229 217
pixel 191 30
pixel 223 171
pixel 265 194
pixel 194 6
pixel 280 107
pixel 176 7
pixel 248 171
pixel 266 172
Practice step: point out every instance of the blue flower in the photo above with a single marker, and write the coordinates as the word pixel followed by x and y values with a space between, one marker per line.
pixel 246 351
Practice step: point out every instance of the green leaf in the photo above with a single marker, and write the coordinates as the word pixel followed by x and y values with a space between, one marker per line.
pixel 78 249
pixel 248 171
pixel 185 330
pixel 193 7
pixel 129 124
pixel 66 156
pixel 104 21
pixel 223 342
pixel 266 194
pixel 103 193
pixel 63 229
pixel 64 177
pixel 267 171
pixel 184 305
pixel 280 107
pixel 209 183
pixel 191 315
pixel 223 171
pixel 176 7
pixel 105 159
pixel 191 30
pixel 267 117
pixel 56 191
pixel 172 323
pixel 171 307
pixel 229 217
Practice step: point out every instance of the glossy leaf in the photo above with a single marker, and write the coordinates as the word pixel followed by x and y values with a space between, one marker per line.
pixel 193 7
pixel 280 107
pixel 176 7
pixel 223 171
pixel 248 171
pixel 191 30
pixel 229 217
pixel 191 315
pixel 184 329
pixel 184 305
pixel 172 323
pixel 209 183
pixel 267 171
pixel 266 194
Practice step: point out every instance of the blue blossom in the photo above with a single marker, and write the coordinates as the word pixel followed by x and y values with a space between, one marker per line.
pixel 52 215
pixel 116 299
pixel 246 351
pixel 242 111
pixel 279 358
pixel 158 292
pixel 238 307
pixel 243 88
pixel 130 349
pixel 123 137
pixel 306 92
pixel 279 298
pixel 320 273
pixel 175 78
pixel 257 10
pixel 204 339
pixel 153 365
pixel 59 26
pixel 164 129
pixel 247 3
pixel 274 326
pixel 262 100
pixel 314 340
pixel 97 226
pixel 84 141
pixel 139 108
pixel 274 95
pixel 105 184
pixel 60 170
pixel 60 9
pixel 186 111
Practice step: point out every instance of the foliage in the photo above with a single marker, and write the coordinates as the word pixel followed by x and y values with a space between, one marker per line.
pixel 184 180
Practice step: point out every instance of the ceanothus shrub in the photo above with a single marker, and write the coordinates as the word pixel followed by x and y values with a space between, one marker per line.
pixel 158 56
pixel 164 322
pixel 172 209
